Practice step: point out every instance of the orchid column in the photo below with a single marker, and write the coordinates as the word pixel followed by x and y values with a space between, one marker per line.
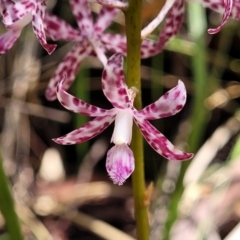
pixel 133 33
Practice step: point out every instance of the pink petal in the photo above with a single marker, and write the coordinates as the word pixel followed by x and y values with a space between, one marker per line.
pixel 57 29
pixel 115 42
pixel 77 105
pixel 227 12
pixel 160 143
pixel 83 16
pixel 105 18
pixel 167 105
pixel 162 14
pixel 69 67
pixel 99 49
pixel 112 3
pixel 38 26
pixel 113 83
pixel 171 27
pixel 8 39
pixel 220 6
pixel 120 163
pixel 14 12
pixel 87 131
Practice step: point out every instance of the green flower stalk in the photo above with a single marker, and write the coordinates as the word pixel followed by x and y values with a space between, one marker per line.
pixel 133 75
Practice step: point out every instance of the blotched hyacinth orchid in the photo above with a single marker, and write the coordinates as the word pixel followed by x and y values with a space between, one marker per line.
pixel 92 38
pixel 120 159
pixel 88 41
pixel 16 15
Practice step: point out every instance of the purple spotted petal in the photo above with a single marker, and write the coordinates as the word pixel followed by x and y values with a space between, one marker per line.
pixel 167 105
pixel 120 163
pixel 112 3
pixel 162 14
pixel 99 50
pixel 8 39
pixel 77 105
pixel 221 6
pixel 15 12
pixel 83 16
pixel 87 131
pixel 38 26
pixel 227 12
pixel 115 43
pixel 171 27
pixel 149 48
pixel 113 83
pixel 68 67
pixel 105 18
pixel 57 29
pixel 160 143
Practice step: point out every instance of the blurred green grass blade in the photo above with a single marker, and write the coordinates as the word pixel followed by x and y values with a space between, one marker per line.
pixel 7 207
pixel 235 152
pixel 81 90
pixel 197 29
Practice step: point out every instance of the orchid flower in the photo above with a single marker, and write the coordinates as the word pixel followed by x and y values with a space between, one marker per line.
pixel 16 15
pixel 91 38
pixel 120 159
pixel 88 41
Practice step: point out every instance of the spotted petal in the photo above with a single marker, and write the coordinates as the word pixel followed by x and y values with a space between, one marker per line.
pixel 112 3
pixel 167 105
pixel 8 39
pixel 227 13
pixel 115 42
pixel 83 16
pixel 99 50
pixel 162 14
pixel 171 27
pixel 38 26
pixel 68 67
pixel 57 29
pixel 113 83
pixel 160 143
pixel 14 12
pixel 149 48
pixel 105 18
pixel 77 105
pixel 87 131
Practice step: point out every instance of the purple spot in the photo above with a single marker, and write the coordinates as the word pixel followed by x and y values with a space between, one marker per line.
pixel 76 101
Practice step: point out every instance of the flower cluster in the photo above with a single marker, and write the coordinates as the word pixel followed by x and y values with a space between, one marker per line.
pixel 91 39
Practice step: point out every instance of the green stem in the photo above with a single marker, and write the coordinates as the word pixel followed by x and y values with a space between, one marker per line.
pixel 133 75
pixel 7 207
pixel 197 28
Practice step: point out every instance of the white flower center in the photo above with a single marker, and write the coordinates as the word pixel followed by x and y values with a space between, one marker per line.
pixel 123 127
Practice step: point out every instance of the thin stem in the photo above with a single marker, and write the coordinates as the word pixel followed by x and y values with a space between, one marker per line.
pixel 133 29
pixel 7 207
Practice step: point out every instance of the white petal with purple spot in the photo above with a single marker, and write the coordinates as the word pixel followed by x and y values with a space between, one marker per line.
pixel 120 163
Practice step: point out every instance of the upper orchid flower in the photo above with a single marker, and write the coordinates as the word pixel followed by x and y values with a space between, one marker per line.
pixel 120 159
pixel 91 38
pixel 88 40
pixel 16 15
